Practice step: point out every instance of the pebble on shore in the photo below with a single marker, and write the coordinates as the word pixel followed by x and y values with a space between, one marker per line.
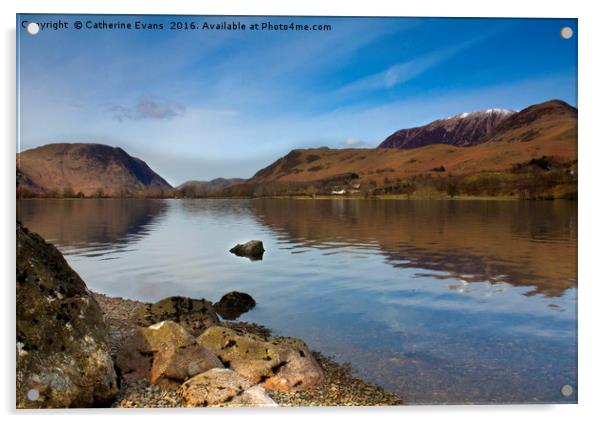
pixel 340 387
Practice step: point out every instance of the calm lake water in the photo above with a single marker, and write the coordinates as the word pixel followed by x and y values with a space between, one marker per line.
pixel 441 301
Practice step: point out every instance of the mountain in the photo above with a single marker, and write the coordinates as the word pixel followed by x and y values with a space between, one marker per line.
pixel 86 170
pixel 463 130
pixel 546 129
pixel 492 125
pixel 553 118
pixel 206 188
pixel 542 137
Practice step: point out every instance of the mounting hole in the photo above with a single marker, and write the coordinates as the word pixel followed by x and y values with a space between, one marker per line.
pixel 566 390
pixel 566 33
pixel 33 28
pixel 33 394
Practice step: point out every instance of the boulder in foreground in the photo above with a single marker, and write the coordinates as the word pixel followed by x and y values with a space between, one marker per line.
pixel 63 357
pixel 233 304
pixel 281 364
pixel 252 249
pixel 165 354
pixel 193 315
pixel 223 388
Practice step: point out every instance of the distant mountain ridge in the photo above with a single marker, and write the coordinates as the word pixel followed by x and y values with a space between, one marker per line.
pixel 468 143
pixel 534 121
pixel 83 169
pixel 206 188
pixel 473 128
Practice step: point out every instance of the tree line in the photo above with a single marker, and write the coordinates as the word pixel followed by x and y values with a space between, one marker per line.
pixel 535 179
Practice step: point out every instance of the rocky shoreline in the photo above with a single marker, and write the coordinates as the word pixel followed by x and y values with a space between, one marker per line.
pixel 78 349
pixel 339 386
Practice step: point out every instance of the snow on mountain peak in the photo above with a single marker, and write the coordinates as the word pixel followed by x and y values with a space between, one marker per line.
pixel 488 112
pixel 501 111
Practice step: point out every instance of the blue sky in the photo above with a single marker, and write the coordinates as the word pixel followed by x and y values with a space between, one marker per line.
pixel 202 104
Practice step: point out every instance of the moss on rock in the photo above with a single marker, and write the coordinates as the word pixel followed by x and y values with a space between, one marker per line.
pixel 194 315
pixel 63 357
pixel 223 388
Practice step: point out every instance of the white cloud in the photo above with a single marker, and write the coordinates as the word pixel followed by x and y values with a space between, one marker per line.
pixel 352 142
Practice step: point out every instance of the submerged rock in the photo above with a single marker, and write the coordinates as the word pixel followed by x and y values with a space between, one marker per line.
pixel 192 314
pixel 63 357
pixel 223 388
pixel 165 354
pixel 252 249
pixel 282 364
pixel 233 304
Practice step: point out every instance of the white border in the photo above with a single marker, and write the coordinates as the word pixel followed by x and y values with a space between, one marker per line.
pixel 590 163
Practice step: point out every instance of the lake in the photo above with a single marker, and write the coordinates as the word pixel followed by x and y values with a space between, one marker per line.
pixel 441 301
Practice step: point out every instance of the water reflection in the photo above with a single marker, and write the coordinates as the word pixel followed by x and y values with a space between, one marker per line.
pixel 97 224
pixel 521 243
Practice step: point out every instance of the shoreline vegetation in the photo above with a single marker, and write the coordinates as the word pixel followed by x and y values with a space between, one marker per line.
pixel 78 348
pixel 539 178
pixel 534 183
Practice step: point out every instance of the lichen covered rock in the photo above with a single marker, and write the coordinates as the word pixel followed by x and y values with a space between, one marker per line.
pixel 252 249
pixel 63 357
pixel 279 363
pixel 233 304
pixel 165 354
pixel 193 315
pixel 223 388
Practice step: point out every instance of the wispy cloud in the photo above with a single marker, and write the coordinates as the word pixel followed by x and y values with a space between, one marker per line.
pixel 148 107
pixel 407 70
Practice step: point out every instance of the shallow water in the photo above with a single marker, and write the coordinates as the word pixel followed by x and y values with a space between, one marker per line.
pixel 441 301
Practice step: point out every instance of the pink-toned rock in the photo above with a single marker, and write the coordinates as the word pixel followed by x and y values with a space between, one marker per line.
pixel 165 354
pixel 282 364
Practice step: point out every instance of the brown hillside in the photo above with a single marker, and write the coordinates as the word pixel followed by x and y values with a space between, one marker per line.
pixel 553 118
pixel 548 129
pixel 89 169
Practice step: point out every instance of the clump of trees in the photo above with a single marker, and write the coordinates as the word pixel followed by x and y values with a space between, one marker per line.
pixel 69 192
pixel 325 186
pixel 395 187
pixel 451 185
pixel 537 178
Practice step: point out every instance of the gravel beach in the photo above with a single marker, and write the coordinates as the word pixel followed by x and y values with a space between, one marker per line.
pixel 340 387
